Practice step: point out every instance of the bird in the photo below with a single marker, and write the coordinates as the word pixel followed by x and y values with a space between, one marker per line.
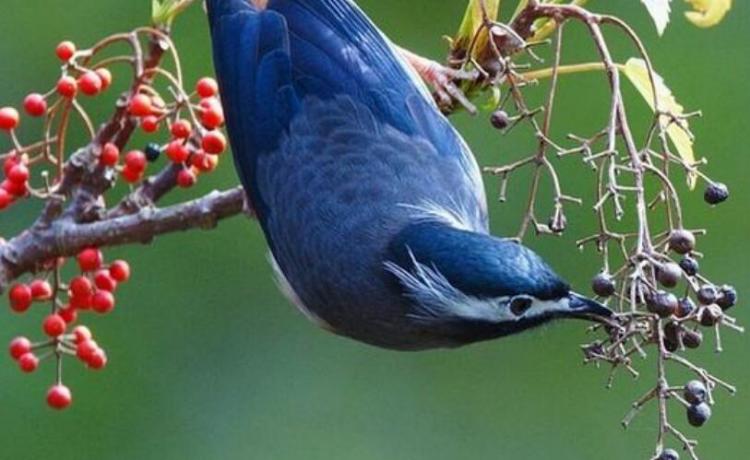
pixel 372 204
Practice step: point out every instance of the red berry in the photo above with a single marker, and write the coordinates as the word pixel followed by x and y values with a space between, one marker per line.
pixel 119 270
pixel 207 87
pixel 130 175
pixel 209 103
pixel 9 118
pixel 67 86
pixel 14 188
pixel 186 178
pixel 81 333
pixel 35 105
pixel 5 199
pixel 19 346
pixel 204 162
pixel 109 155
pixel 214 142
pixel 20 297
pixel 177 151
pixel 10 162
pixel 150 123
pixel 54 325
pixel 90 83
pixel 103 302
pixel 80 286
pixel 41 290
pixel 213 117
pixel 135 160
pixel 81 302
pixel 90 259
pixel 104 281
pixel 18 174
pixel 181 129
pixel 65 50
pixel 85 348
pixel 97 360
pixel 28 362
pixel 140 105
pixel 69 314
pixel 105 76
pixel 59 397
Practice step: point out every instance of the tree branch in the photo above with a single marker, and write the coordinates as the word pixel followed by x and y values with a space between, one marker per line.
pixel 33 248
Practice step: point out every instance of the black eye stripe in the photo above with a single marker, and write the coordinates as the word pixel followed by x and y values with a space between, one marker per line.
pixel 519 305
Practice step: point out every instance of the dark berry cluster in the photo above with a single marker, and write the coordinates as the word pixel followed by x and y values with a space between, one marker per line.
pixel 665 300
pixel 703 304
pixel 93 290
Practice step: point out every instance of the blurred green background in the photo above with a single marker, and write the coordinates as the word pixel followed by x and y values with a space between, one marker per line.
pixel 208 361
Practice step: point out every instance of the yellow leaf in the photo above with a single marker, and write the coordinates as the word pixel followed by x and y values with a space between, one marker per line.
pixel 708 13
pixel 637 73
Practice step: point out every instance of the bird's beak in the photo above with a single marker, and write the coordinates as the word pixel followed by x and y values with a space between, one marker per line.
pixel 585 308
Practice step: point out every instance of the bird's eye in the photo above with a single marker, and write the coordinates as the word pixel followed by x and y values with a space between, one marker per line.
pixel 519 305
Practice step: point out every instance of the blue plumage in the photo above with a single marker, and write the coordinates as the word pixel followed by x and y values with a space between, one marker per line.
pixel 371 203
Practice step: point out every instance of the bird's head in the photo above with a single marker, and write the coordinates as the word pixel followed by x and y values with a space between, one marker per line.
pixel 470 286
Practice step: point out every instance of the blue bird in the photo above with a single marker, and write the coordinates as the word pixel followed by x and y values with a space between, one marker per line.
pixel 372 204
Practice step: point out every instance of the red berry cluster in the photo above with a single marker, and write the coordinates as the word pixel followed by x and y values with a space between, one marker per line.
pixel 76 78
pixel 93 289
pixel 90 82
pixel 194 148
pixel 16 172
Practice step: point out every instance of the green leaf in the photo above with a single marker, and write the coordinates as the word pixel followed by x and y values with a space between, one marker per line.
pixel 637 73
pixel 659 11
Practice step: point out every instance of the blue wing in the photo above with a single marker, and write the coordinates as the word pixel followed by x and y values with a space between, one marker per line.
pixel 269 60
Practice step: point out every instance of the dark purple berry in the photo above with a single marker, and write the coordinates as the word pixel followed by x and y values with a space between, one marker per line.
pixel 672 332
pixel 685 307
pixel 603 285
pixel 152 151
pixel 698 414
pixel 671 345
pixel 558 223
pixel 695 392
pixel 668 454
pixel 692 339
pixel 500 119
pixel 669 274
pixel 681 241
pixel 689 265
pixel 716 193
pixel 706 294
pixel 662 303
pixel 710 315
pixel 727 297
